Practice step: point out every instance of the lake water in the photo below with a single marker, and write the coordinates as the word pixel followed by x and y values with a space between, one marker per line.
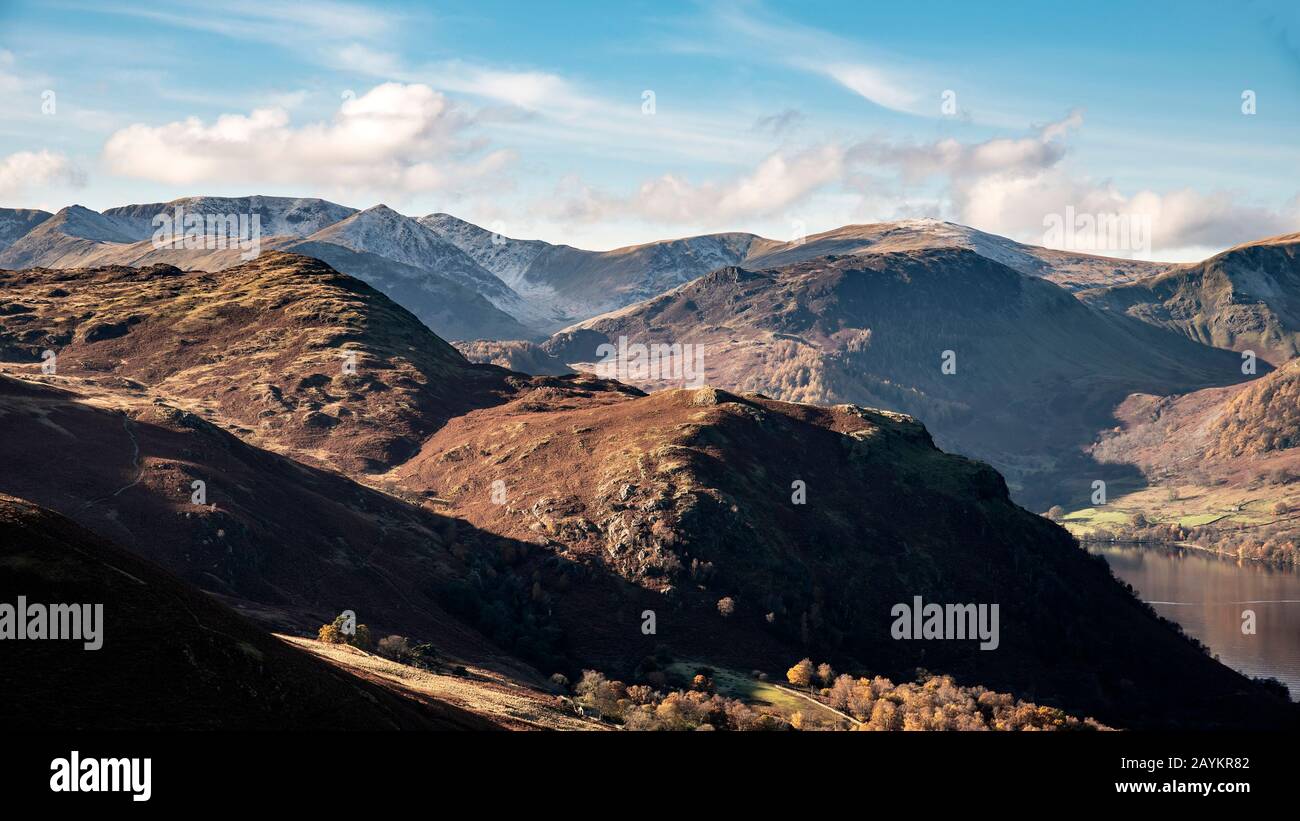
pixel 1207 594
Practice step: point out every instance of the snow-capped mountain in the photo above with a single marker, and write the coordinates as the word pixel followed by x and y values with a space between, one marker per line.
pixel 451 309
pixel 278 216
pixel 506 257
pixel 78 237
pixel 71 238
pixel 382 231
pixel 1071 270
pixel 467 281
pixel 565 283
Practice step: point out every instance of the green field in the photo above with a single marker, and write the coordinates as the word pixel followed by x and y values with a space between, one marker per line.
pixel 738 685
pixel 1088 519
pixel 1190 510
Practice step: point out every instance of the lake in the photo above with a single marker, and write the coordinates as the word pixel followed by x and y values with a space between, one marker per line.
pixel 1207 594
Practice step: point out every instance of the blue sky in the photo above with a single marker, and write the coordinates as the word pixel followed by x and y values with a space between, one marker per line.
pixel 768 117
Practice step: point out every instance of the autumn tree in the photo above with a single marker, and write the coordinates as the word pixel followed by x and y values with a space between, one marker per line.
pixel 801 674
pixel 335 633
pixel 825 674
pixel 393 647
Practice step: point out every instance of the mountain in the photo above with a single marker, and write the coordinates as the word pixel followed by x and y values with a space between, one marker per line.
pixel 265 346
pixel 16 222
pixel 468 283
pixel 78 237
pixel 386 233
pixel 577 284
pixel 277 216
pixel 1037 372
pixel 670 503
pixel 610 502
pixel 1221 470
pixel 453 303
pixel 170 657
pixel 573 284
pixel 451 309
pixel 507 258
pixel 74 236
pixel 166 378
pixel 1246 298
pixel 1070 270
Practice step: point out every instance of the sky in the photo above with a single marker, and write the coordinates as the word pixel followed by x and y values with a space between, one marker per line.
pixel 607 124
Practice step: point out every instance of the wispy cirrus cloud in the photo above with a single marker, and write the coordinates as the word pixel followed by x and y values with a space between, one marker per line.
pixel 289 25
pixel 749 32
pixel 528 89
pixel 553 109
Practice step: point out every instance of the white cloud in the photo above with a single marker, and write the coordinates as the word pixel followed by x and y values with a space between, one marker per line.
pixel 872 84
pixel 1013 157
pixel 1010 186
pixel 778 182
pixel 400 138
pixel 27 170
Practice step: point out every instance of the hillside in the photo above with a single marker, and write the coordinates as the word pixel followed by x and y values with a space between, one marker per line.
pixel 672 502
pixel 289 545
pixel 1037 373
pixel 1246 298
pixel 262 347
pixel 171 657
pixel 611 502
pixel 1221 470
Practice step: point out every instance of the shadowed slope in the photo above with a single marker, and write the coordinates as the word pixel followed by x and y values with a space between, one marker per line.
pixel 171 658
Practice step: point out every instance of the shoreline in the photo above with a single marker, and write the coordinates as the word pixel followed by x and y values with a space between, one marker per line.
pixel 1189 546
